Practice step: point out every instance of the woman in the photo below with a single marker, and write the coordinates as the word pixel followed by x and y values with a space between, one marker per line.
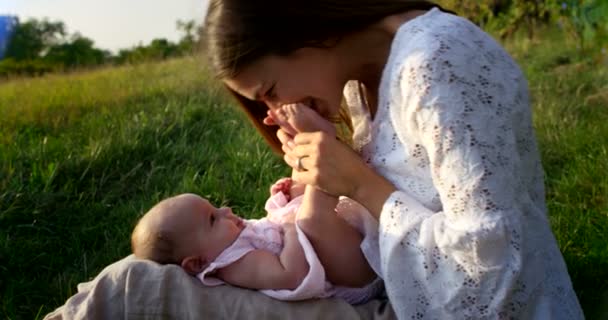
pixel 444 155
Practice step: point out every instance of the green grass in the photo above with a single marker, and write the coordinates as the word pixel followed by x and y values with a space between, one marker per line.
pixel 76 176
pixel 83 155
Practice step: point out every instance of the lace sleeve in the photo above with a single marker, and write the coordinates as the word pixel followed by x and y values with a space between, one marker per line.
pixel 464 260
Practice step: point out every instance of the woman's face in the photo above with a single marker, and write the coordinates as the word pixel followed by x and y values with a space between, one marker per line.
pixel 311 76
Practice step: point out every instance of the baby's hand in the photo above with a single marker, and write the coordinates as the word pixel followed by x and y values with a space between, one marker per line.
pixel 295 118
pixel 283 185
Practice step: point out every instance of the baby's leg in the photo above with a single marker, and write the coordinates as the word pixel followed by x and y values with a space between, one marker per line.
pixel 302 119
pixel 336 242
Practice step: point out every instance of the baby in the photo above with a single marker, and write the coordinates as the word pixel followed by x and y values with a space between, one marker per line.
pixel 189 231
pixel 271 254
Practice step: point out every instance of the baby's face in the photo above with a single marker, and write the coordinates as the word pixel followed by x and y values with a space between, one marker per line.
pixel 215 228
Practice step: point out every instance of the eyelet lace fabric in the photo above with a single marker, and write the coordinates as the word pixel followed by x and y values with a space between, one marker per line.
pixel 466 235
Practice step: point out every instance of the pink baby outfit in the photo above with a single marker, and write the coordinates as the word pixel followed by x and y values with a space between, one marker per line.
pixel 267 234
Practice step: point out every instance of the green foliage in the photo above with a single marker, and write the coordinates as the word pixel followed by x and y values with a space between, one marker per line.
pixel 38 47
pixel 587 23
pixel 190 35
pixel 478 11
pixel 506 17
pixel 32 38
pixel 525 14
pixel 36 67
pixel 78 52
pixel 158 49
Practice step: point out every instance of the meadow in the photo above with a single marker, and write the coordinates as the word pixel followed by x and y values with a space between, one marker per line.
pixel 82 155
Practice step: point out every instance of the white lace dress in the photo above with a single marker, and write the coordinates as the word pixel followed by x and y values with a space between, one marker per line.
pixel 466 235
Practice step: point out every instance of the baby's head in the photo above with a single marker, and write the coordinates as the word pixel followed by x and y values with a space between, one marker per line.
pixel 185 230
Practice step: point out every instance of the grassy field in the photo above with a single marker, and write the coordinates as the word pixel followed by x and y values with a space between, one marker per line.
pixel 82 155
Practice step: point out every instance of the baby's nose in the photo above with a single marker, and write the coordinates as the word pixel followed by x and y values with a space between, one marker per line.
pixel 225 212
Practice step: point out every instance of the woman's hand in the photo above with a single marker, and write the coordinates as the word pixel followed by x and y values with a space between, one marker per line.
pixel 333 167
pixel 325 163
pixel 320 160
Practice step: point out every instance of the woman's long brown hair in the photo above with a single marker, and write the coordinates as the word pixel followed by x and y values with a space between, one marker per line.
pixel 238 32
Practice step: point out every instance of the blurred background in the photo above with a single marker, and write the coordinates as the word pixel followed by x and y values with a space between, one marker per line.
pixel 106 107
pixel 39 36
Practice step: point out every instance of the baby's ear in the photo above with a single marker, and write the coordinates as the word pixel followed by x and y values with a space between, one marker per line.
pixel 194 264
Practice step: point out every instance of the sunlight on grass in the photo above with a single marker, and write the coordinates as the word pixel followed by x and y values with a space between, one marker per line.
pixel 55 101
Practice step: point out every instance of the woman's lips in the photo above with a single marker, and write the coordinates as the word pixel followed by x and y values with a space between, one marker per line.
pixel 316 106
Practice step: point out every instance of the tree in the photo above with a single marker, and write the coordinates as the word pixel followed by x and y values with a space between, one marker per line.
pixel 189 38
pixel 78 52
pixel 33 38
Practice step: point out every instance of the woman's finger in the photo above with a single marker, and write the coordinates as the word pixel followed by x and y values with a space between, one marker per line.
pixel 284 137
pixel 304 177
pixel 299 163
pixel 304 138
pixel 290 160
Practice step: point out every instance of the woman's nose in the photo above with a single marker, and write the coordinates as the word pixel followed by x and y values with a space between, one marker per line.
pixel 272 105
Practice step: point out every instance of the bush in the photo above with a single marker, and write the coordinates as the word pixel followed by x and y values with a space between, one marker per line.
pixel 36 67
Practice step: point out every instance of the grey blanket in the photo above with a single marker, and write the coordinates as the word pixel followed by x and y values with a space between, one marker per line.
pixel 138 289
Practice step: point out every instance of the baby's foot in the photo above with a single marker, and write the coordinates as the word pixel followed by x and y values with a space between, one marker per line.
pixel 302 118
pixel 283 185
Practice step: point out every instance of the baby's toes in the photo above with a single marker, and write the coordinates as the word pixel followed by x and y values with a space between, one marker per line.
pixel 305 119
pixel 282 118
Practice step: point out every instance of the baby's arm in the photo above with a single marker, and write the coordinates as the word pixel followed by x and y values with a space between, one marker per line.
pixel 260 269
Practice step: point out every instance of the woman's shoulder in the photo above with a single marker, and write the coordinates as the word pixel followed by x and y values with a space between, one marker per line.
pixel 439 48
pixel 436 25
pixel 436 37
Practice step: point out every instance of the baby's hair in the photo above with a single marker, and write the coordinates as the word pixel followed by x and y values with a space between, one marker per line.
pixel 151 241
pixel 155 245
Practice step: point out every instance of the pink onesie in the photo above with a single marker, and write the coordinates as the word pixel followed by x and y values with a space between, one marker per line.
pixel 267 234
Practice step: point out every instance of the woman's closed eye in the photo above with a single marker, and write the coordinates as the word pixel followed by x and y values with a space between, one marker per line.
pixel 271 94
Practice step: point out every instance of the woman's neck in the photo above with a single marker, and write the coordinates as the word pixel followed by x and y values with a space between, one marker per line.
pixel 366 53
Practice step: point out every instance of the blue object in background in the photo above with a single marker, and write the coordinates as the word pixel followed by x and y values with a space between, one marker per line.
pixel 7 27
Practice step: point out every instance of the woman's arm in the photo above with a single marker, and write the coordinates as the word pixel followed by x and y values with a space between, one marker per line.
pixel 261 269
